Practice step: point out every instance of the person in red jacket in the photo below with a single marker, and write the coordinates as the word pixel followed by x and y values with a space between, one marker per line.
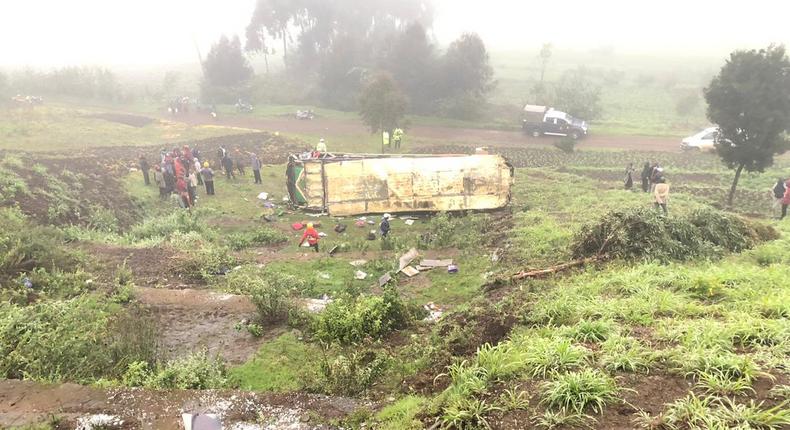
pixel 786 199
pixel 311 236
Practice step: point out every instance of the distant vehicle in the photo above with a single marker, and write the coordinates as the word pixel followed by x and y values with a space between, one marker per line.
pixel 542 120
pixel 705 140
pixel 27 100
pixel 305 114
pixel 242 106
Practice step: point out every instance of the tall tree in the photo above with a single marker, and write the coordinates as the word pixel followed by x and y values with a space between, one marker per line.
pixel 382 105
pixel 749 100
pixel 226 65
pixel 578 94
pixel 467 67
pixel 276 17
pixel 411 59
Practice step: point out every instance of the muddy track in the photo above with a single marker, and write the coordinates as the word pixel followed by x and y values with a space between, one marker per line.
pixel 470 136
pixel 24 402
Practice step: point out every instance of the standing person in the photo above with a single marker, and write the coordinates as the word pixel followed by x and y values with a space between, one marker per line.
pixel 646 177
pixel 255 164
pixel 397 137
pixel 785 200
pixel 311 236
pixel 208 178
pixel 661 194
pixel 778 193
pixel 195 153
pixel 656 173
pixel 159 178
pixel 320 148
pixel 221 154
pixel 144 166
pixel 239 162
pixel 192 186
pixel 385 226
pixel 227 164
pixel 197 169
pixel 183 193
pixel 629 176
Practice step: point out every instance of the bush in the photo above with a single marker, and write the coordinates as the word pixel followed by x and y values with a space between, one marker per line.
pixel 24 245
pixel 272 300
pixel 76 340
pixel 162 228
pixel 445 231
pixel 641 233
pixel 194 372
pixel 262 236
pixel 346 321
pixel 207 261
pixel 353 373
pixel 566 145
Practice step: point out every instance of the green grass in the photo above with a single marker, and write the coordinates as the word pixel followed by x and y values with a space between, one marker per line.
pixel 46 128
pixel 279 365
pixel 401 415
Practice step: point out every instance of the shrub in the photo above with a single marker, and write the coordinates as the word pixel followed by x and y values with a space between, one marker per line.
pixel 261 236
pixel 544 356
pixel 349 321
pixel 352 373
pixel 272 300
pixel 76 340
pixel 575 391
pixel 197 371
pixel 641 233
pixel 591 330
pixel 24 245
pixel 625 354
pixel 207 261
pixel 566 145
pixel 163 227
pixel 401 415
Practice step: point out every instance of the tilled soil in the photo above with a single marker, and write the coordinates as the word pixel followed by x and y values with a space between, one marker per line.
pixel 24 402
pixel 125 119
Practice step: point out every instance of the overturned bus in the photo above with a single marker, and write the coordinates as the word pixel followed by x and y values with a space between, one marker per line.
pixel 357 184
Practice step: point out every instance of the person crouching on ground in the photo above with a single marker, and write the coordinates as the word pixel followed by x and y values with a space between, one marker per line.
pixel 311 236
pixel 385 226
pixel 208 178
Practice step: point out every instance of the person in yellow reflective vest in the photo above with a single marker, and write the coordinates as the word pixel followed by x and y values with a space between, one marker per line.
pixel 397 137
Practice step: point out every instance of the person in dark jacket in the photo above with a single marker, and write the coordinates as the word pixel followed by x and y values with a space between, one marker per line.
pixel 227 164
pixel 629 176
pixel 646 170
pixel 385 226
pixel 778 193
pixel 255 164
pixel 208 178
pixel 145 167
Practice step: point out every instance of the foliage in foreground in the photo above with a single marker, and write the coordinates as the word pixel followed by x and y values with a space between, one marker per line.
pixel 644 234
pixel 197 371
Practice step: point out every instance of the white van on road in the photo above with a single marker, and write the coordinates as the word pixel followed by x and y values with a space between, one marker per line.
pixel 705 140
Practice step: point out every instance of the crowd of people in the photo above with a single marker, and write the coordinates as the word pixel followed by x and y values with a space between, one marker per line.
pixel 653 181
pixel 179 172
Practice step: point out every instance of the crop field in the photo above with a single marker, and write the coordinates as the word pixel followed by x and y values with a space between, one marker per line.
pixel 117 302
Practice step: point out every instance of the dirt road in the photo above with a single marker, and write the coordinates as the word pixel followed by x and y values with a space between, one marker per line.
pixel 25 402
pixel 479 137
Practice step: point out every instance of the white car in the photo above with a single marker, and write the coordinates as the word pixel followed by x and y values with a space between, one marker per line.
pixel 703 141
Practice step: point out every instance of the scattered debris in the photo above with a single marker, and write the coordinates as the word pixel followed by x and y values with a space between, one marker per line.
pixel 423 268
pixel 410 271
pixel 316 305
pixel 407 258
pixel 434 312
pixel 340 228
pixel 263 196
pixel 371 222
pixel 321 234
pixel 436 263
pixel 452 268
pixel 324 276
pixel 358 263
pixel 297 226
pixel 360 275
pixel 359 223
pixel 409 222
pixel 334 249
pixel 384 279
pixel 99 421
pixel 268 205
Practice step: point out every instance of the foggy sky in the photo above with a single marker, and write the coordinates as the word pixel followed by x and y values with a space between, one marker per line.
pixel 159 32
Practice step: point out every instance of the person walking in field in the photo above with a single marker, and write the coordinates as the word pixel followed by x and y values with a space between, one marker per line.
pixel 192 184
pixel 629 177
pixel 385 226
pixel 646 177
pixel 311 236
pixel 208 178
pixel 320 148
pixel 144 166
pixel 785 200
pixel 239 162
pixel 778 193
pixel 661 194
pixel 255 164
